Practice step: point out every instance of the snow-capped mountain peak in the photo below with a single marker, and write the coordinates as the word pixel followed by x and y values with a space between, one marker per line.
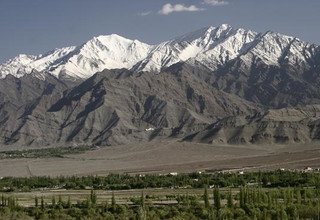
pixel 204 34
pixel 211 46
pixel 16 65
pixel 103 52
pixel 99 53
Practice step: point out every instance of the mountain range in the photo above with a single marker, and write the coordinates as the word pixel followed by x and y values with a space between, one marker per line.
pixel 216 84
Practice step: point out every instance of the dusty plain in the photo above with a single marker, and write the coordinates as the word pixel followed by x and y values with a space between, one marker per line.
pixel 168 156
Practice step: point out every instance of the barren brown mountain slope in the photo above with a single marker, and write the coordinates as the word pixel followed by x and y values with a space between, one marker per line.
pixel 281 126
pixel 116 107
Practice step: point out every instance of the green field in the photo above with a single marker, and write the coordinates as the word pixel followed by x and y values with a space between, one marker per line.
pixel 58 152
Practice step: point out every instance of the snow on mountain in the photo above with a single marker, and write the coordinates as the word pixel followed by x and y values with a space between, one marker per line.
pixel 183 48
pixel 25 64
pixel 271 46
pixel 231 45
pixel 99 53
pixel 276 49
pixel 215 46
pixel 15 65
pixel 103 52
pixel 50 59
pixel 212 46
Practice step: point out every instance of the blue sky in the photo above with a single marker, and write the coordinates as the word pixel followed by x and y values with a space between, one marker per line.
pixel 37 26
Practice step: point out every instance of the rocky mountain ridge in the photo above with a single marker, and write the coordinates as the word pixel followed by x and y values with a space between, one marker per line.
pixel 212 47
pixel 215 85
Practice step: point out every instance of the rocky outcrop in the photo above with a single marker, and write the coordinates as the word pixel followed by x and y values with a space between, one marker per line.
pixel 282 126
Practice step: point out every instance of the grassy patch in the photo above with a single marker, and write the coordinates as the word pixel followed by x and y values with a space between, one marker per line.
pixel 58 152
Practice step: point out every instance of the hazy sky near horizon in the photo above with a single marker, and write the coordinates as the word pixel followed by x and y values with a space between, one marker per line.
pixel 37 26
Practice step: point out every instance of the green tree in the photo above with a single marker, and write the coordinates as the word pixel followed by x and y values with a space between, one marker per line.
pixel 36 201
pixel 42 204
pixel 242 197
pixel 53 201
pixel 206 198
pixel 142 213
pixel 283 214
pixel 217 200
pixel 143 200
pixel 229 199
pixel 298 196
pixel 295 214
pixel 113 203
pixel 93 197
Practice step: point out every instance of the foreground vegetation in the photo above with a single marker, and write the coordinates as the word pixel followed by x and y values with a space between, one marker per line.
pixel 43 152
pixel 193 180
pixel 261 195
pixel 243 203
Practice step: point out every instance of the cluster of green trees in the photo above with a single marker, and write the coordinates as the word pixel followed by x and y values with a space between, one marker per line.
pixel 44 153
pixel 193 180
pixel 240 203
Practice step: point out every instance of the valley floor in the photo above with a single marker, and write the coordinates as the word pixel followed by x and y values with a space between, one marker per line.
pixel 166 157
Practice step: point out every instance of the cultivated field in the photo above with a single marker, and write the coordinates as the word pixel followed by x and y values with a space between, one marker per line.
pixel 165 157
